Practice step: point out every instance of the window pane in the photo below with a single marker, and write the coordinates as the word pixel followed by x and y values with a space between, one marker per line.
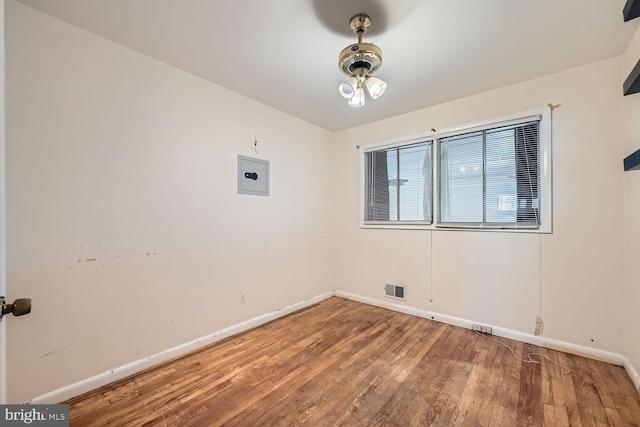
pixel 414 183
pixel 491 176
pixel 377 187
pixel 399 184
pixel 461 180
pixel 392 169
pixel 501 200
pixel 526 149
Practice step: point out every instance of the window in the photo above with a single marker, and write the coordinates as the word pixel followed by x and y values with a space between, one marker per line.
pixel 398 185
pixel 490 177
pixel 494 175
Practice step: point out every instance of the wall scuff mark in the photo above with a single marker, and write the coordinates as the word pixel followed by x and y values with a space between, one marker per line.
pixel 118 257
pixel 52 352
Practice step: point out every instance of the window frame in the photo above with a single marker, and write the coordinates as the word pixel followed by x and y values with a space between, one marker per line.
pixel 545 174
pixel 397 143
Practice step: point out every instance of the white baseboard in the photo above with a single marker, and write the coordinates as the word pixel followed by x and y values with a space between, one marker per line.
pixel 633 374
pixel 86 385
pixel 443 318
pixel 566 347
pixel 590 352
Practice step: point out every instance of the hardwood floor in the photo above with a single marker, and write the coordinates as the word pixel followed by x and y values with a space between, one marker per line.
pixel 344 363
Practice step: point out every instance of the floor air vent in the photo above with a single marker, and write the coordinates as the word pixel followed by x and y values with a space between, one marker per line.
pixel 394 291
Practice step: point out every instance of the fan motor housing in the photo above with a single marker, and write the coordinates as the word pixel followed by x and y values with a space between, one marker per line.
pixel 360 55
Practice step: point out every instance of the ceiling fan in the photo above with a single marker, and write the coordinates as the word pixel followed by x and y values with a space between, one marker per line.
pixel 359 61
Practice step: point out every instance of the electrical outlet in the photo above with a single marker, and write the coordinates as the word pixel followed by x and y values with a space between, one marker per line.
pixel 539 325
pixel 242 298
pixel 483 329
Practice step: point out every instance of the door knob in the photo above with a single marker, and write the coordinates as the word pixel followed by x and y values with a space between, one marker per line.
pixel 20 307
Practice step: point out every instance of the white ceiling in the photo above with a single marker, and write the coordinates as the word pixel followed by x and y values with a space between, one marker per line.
pixel 284 53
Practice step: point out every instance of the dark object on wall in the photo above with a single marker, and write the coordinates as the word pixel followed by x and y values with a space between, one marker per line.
pixel 631 10
pixel 632 84
pixel 632 162
pixel 20 307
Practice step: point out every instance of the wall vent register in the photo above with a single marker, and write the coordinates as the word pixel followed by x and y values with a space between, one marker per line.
pixel 395 291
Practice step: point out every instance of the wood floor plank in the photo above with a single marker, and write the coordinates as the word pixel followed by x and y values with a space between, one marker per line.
pixel 459 376
pixel 569 389
pixel 391 362
pixel 601 383
pixel 466 410
pixel 393 391
pixel 507 396
pixel 591 403
pixel 340 362
pixel 432 398
pixel 530 409
pixel 419 387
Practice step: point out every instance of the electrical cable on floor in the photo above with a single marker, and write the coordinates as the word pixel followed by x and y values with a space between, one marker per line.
pixel 528 359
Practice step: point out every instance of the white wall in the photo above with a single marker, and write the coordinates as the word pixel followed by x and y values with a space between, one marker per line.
pixel 494 278
pixel 124 225
pixel 632 214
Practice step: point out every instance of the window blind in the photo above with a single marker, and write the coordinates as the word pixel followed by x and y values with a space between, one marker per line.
pixel 399 184
pixel 490 178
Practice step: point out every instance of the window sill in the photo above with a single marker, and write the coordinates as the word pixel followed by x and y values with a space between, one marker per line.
pixel 399 226
pixel 432 227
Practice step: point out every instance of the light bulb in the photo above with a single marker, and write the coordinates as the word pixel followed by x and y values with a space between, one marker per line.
pixel 375 86
pixel 348 88
pixel 357 100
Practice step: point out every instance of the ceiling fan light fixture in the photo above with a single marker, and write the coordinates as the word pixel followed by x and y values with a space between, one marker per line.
pixel 375 87
pixel 348 87
pixel 357 100
pixel 359 61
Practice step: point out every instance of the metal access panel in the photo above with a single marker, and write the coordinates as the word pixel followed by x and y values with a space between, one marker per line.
pixel 253 176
